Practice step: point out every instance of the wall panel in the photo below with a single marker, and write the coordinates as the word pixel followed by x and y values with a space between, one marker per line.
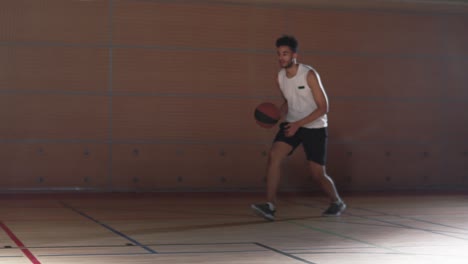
pixel 159 95
pixel 366 31
pixel 339 163
pixel 456 82
pixel 367 167
pixel 53 165
pixel 196 25
pixel 414 166
pixel 455 120
pixel 380 76
pixel 188 166
pixel 456 37
pixel 194 72
pixel 455 166
pixel 54 117
pixel 363 121
pixel 49 68
pixel 70 21
pixel 186 118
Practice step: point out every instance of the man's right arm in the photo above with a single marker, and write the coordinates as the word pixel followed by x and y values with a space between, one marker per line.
pixel 284 105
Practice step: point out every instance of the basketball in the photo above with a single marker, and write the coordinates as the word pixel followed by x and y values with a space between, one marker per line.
pixel 267 114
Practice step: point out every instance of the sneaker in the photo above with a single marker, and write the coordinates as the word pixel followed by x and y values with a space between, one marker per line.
pixel 335 209
pixel 264 210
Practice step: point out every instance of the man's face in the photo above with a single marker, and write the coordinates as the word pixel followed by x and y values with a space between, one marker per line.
pixel 286 56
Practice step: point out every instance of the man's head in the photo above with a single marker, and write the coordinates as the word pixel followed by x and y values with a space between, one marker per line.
pixel 288 41
pixel 286 47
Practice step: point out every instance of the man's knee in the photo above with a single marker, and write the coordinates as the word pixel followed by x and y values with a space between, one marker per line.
pixel 278 152
pixel 317 170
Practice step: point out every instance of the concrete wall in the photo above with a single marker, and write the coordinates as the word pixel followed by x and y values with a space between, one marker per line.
pixel 159 95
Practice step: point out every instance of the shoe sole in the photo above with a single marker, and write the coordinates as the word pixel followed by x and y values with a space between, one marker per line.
pixel 337 214
pixel 261 213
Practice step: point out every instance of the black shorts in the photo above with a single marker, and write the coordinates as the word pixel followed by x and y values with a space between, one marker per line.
pixel 314 141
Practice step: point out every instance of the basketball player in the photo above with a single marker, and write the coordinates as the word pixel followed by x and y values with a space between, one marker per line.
pixel 305 108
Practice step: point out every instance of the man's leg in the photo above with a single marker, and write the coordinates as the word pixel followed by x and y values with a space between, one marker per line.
pixel 337 206
pixel 278 152
pixel 327 185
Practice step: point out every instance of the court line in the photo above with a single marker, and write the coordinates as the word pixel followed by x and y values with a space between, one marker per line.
pixel 387 225
pixel 20 244
pixel 97 254
pixel 286 252
pixel 334 233
pixel 268 248
pixel 392 223
pixel 152 244
pixel 377 253
pixel 188 244
pixel 408 227
pixel 414 219
pixel 328 232
pixel 109 228
pixel 283 253
pixel 159 253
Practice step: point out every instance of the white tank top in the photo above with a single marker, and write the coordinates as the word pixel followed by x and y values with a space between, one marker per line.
pixel 299 96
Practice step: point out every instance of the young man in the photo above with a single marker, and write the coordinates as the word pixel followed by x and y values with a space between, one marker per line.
pixel 306 108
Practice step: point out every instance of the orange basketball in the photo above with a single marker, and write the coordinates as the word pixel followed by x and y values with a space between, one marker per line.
pixel 267 114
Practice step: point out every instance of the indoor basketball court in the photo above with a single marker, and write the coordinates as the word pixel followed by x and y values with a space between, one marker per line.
pixel 214 228
pixel 141 131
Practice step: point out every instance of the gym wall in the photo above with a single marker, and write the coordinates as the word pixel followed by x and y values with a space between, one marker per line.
pixel 141 95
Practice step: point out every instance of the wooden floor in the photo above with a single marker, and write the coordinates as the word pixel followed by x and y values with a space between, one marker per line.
pixel 202 228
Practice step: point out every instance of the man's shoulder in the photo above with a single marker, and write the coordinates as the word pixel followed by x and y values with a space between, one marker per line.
pixel 306 68
pixel 281 72
pixel 309 70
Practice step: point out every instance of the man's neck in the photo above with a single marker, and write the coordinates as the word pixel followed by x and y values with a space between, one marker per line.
pixel 291 71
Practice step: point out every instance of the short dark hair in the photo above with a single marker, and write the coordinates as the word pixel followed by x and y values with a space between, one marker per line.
pixel 289 41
